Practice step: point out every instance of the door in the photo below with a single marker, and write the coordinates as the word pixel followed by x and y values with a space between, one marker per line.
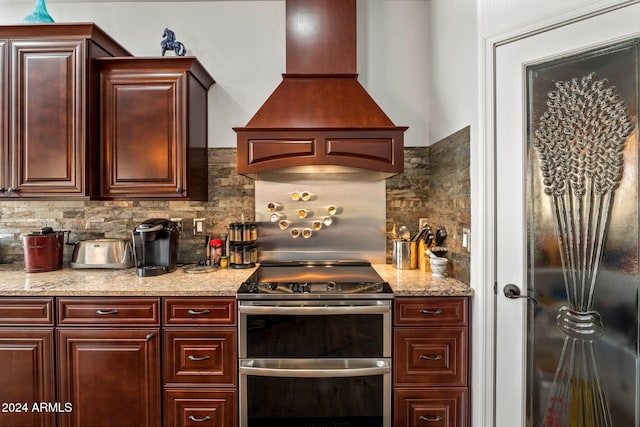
pixel 111 377
pixel 544 245
pixel 46 129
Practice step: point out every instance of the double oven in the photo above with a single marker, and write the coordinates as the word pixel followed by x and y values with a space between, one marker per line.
pixel 315 345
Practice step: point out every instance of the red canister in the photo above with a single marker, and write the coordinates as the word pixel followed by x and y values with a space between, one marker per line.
pixel 43 250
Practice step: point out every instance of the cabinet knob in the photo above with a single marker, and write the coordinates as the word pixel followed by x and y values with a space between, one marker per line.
pixel 178 189
pixel 149 337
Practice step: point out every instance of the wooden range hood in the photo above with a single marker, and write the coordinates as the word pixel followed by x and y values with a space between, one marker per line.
pixel 320 115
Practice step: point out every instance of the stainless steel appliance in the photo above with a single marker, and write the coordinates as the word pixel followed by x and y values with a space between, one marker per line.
pixel 155 244
pixel 315 345
pixel 102 253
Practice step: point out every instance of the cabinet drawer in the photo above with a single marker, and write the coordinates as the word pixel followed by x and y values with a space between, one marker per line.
pixel 434 356
pixel 108 311
pixel 204 357
pixel 26 311
pixel 441 407
pixel 450 311
pixel 199 311
pixel 200 408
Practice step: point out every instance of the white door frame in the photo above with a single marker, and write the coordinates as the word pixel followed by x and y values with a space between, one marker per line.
pixel 483 181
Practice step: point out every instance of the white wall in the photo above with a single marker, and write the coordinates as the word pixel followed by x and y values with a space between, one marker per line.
pixel 242 44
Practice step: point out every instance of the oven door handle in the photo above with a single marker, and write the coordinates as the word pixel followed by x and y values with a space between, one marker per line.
pixel 281 368
pixel 312 309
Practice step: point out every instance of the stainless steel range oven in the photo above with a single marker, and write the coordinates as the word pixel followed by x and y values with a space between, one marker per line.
pixel 315 345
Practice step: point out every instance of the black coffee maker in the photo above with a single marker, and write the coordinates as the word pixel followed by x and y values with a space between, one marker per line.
pixel 155 247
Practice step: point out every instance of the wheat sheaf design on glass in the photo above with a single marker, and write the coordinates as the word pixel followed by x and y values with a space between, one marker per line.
pixel 580 141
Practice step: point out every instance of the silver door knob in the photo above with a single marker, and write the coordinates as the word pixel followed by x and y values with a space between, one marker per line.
pixel 511 291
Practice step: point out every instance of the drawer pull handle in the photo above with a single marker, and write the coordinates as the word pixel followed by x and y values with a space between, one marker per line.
pixel 425 357
pixel 199 420
pixel 432 312
pixel 195 313
pixel 103 312
pixel 198 359
pixel 430 419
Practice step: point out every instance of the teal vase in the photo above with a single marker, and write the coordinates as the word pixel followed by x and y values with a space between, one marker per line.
pixel 39 14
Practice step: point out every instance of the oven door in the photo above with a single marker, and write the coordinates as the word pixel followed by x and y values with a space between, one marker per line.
pixel 314 329
pixel 315 392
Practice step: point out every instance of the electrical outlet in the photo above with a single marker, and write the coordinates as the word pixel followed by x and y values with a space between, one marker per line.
pixel 199 226
pixel 179 222
pixel 466 239
pixel 422 222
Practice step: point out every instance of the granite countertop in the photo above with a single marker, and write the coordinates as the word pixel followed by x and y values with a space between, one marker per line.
pixel 97 282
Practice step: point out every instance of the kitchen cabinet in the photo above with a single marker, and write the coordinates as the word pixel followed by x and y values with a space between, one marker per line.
pixel 154 128
pixel 108 361
pixel 200 364
pixel 49 118
pixel 431 367
pixel 26 357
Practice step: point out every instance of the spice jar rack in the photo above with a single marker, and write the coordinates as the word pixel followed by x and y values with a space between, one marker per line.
pixel 243 247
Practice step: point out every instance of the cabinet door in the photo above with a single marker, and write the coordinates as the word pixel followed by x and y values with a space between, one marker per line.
pixel 27 379
pixel 435 407
pixel 203 356
pixel 46 129
pixel 110 376
pixel 200 408
pixel 4 115
pixel 143 135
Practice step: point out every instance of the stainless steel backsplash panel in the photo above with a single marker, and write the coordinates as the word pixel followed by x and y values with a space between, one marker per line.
pixel 358 228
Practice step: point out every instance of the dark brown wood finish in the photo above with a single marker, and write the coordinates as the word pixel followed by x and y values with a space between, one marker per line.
pixel 431 361
pixel 321 36
pixel 206 357
pixel 109 375
pixel 191 407
pixel 4 115
pixel 320 114
pixel 442 407
pixel 26 311
pixel 26 357
pixel 48 123
pixel 154 127
pixel 97 311
pixel 182 311
pixel 200 362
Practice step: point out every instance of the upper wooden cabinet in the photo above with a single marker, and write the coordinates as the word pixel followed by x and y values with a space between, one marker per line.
pixel 154 127
pixel 49 108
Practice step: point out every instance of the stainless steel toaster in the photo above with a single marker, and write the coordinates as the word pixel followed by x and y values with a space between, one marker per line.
pixel 102 253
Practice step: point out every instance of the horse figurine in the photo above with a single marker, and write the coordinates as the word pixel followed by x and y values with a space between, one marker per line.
pixel 170 43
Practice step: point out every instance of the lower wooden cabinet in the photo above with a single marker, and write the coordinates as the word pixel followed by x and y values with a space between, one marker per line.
pixel 27 377
pixel 431 362
pixel 27 372
pixel 202 407
pixel 200 373
pixel 111 376
pixel 431 407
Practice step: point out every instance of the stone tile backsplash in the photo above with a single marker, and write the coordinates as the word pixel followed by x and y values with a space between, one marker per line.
pixel 435 185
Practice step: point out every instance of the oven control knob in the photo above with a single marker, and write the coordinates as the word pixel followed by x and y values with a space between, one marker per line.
pixel 331 286
pixel 305 288
pixel 271 286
